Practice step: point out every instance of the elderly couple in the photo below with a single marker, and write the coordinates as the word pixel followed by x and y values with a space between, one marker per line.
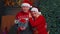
pixel 30 20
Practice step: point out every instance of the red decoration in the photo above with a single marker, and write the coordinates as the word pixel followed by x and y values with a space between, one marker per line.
pixel 27 1
pixel 23 20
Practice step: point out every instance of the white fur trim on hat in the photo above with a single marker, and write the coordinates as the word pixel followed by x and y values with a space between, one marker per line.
pixel 26 4
pixel 34 9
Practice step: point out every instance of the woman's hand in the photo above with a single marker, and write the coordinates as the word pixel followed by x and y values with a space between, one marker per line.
pixel 30 16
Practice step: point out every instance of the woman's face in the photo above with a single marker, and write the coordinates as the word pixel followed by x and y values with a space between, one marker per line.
pixel 25 8
pixel 34 13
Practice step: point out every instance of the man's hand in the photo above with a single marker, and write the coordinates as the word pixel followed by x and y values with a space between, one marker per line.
pixel 22 28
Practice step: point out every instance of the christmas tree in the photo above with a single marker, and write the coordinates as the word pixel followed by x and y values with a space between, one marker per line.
pixel 51 10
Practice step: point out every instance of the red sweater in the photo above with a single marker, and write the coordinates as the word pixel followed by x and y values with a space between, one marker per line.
pixel 39 24
pixel 22 16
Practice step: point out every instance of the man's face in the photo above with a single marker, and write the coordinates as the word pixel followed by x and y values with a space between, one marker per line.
pixel 25 8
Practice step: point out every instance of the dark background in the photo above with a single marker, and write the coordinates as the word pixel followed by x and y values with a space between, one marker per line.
pixel 49 8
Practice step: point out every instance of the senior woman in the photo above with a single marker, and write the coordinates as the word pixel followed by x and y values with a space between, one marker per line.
pixel 37 21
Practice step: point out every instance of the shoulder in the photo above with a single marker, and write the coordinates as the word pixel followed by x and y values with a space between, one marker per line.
pixel 41 16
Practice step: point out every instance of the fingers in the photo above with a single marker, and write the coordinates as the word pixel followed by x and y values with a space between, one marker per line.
pixel 22 28
pixel 30 16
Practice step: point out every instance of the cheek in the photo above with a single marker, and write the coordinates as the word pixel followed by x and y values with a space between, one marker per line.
pixel 34 14
pixel 23 8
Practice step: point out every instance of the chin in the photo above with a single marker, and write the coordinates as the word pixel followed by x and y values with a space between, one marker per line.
pixel 34 16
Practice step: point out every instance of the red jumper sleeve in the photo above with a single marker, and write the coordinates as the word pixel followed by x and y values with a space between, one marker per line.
pixel 39 21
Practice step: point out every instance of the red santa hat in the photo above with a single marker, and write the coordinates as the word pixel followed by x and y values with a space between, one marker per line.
pixel 26 3
pixel 35 10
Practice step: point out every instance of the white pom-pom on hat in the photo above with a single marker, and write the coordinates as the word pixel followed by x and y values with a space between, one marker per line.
pixel 26 4
pixel 39 12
